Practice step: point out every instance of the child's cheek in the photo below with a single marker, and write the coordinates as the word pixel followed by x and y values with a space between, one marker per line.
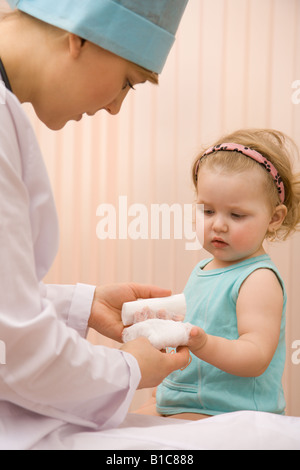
pixel 244 237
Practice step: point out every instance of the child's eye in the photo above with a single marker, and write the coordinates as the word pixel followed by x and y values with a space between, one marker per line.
pixel 237 216
pixel 208 211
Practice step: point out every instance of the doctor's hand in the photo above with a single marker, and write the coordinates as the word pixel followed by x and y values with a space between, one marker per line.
pixel 107 306
pixel 155 365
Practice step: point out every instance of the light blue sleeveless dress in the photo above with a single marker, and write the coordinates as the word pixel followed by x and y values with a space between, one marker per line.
pixel 202 388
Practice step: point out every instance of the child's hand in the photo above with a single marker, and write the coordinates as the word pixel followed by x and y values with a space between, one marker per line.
pixel 197 341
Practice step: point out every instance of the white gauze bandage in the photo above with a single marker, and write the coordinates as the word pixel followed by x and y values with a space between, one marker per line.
pixel 168 308
pixel 161 333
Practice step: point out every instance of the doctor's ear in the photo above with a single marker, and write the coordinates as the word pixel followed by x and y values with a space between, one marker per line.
pixel 75 45
pixel 278 218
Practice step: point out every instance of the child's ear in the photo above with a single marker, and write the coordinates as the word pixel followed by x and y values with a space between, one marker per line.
pixel 277 218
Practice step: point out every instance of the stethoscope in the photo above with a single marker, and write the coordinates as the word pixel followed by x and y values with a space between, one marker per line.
pixel 4 76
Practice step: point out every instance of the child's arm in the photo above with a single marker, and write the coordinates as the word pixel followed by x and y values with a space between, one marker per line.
pixel 259 311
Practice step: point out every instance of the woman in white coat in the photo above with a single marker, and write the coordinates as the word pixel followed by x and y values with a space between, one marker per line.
pixel 67 58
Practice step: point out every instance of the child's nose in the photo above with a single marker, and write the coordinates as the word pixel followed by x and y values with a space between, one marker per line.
pixel 220 224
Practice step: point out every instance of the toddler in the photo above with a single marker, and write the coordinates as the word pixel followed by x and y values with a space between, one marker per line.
pixel 236 299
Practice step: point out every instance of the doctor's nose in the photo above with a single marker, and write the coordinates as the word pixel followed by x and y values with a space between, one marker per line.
pixel 115 106
pixel 112 109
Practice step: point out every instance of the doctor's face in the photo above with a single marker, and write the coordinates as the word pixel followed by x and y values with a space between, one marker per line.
pixel 89 79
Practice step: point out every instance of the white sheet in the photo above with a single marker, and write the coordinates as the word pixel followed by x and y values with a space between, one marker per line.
pixel 245 430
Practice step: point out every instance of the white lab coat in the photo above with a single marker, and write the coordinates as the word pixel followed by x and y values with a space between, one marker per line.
pixel 52 374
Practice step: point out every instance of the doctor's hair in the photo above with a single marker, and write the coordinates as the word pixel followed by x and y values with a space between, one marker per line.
pixel 148 76
pixel 276 147
pixel 54 31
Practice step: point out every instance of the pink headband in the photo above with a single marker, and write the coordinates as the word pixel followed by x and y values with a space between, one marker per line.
pixel 248 152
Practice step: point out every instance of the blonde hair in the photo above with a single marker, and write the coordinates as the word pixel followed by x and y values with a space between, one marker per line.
pixel 276 147
pixel 149 76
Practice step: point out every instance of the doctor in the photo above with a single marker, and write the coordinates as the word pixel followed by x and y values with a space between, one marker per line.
pixel 67 58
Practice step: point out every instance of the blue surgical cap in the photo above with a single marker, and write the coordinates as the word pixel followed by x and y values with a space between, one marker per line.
pixel 141 31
